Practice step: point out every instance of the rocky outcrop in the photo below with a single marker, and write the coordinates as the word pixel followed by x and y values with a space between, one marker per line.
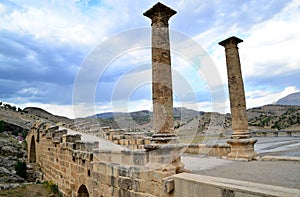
pixel 11 151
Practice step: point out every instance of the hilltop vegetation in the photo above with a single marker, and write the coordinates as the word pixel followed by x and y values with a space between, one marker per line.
pixel 277 117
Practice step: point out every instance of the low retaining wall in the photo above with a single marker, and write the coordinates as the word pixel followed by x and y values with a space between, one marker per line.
pixel 216 150
pixel 186 184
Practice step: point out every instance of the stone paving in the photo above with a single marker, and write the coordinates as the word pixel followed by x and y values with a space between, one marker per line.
pixel 103 144
pixel 279 173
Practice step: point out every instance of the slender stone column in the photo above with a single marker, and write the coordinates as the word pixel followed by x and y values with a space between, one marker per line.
pixel 242 145
pixel 162 95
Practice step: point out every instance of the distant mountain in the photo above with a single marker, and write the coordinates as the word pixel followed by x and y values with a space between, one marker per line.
pixel 292 99
pixel 106 115
pixel 142 119
pixel 179 113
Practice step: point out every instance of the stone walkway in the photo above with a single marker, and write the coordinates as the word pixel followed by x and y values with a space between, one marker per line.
pixel 279 146
pixel 103 144
pixel 280 173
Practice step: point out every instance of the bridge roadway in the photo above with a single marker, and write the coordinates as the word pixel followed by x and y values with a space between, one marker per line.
pixel 280 173
pixel 103 143
pixel 278 146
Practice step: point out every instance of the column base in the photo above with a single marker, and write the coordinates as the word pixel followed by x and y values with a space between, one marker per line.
pixel 165 157
pixel 242 149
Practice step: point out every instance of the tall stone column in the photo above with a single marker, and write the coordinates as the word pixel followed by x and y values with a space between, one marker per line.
pixel 164 150
pixel 162 94
pixel 242 145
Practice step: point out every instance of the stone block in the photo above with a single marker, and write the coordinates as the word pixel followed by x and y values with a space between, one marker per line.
pixel 113 181
pixel 115 158
pixel 168 184
pixel 112 169
pixel 100 167
pixel 139 158
pixel 104 178
pixel 125 183
pixel 52 129
pixel 134 172
pixel 115 141
pixel 140 185
pixel 154 188
pixel 125 142
pixel 158 175
pixel 140 141
pixel 124 171
pixel 145 174
pixel 124 193
pixel 147 140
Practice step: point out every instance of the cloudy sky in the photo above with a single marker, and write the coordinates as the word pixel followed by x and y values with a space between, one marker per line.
pixel 80 57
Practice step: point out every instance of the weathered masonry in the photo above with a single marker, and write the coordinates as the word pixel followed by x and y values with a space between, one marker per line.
pixel 242 145
pixel 79 167
pixel 83 169
pixel 162 91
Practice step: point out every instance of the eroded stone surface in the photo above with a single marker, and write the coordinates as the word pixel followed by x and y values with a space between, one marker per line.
pixel 162 95
pixel 242 146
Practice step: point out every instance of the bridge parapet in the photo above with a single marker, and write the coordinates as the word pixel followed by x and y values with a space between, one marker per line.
pixel 72 163
pixel 265 133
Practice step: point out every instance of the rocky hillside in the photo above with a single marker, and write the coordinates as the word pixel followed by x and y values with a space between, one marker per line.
pixel 13 117
pixel 41 113
pixel 17 118
pixel 186 120
pixel 277 117
pixel 265 117
pixel 292 99
pixel 12 153
pixel 141 120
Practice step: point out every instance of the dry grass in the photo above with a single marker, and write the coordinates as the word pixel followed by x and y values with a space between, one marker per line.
pixel 30 190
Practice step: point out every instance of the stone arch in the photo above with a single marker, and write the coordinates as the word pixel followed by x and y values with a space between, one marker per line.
pixel 82 191
pixel 32 153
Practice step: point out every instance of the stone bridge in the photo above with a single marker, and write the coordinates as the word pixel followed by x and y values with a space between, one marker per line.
pixel 84 165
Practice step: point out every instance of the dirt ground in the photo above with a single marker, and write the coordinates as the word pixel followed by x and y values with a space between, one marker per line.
pixel 30 190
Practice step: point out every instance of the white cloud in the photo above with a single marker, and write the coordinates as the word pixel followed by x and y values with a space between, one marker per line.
pixel 270 47
pixel 60 22
pixel 30 91
pixel 3 9
pixel 261 97
pixel 273 45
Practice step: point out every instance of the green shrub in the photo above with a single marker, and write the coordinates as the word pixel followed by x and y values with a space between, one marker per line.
pixel 1 126
pixel 53 187
pixel 21 168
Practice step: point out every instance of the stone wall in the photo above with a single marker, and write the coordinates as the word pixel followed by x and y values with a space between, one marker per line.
pixel 216 150
pixel 73 165
pixel 132 140
pixel 137 140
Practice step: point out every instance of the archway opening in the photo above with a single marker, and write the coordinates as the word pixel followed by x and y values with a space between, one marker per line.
pixel 82 191
pixel 32 153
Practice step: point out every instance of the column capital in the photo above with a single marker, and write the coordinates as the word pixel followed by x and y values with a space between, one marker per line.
pixel 160 14
pixel 230 42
